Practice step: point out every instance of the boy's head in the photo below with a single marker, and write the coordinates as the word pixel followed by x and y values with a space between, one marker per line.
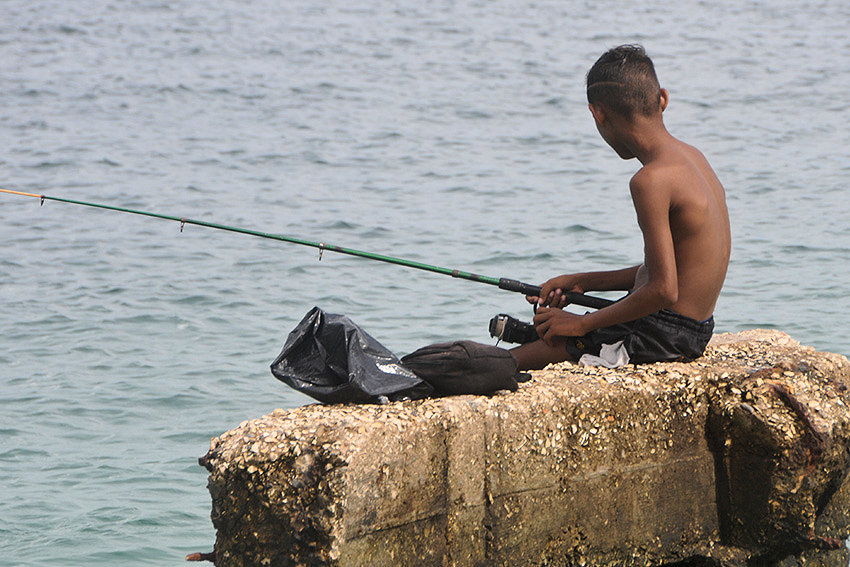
pixel 623 80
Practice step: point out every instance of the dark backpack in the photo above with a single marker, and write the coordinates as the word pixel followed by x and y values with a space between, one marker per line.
pixel 465 367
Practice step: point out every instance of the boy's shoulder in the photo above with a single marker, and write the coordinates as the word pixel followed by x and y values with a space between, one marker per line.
pixel 652 181
pixel 671 171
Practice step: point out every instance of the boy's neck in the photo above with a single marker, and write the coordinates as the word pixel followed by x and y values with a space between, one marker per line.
pixel 642 136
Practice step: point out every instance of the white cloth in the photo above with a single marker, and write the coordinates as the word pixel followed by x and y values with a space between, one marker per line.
pixel 610 356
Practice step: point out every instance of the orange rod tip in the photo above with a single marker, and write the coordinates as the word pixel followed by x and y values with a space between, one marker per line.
pixel 21 193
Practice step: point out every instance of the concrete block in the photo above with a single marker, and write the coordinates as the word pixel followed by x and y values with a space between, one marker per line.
pixel 741 457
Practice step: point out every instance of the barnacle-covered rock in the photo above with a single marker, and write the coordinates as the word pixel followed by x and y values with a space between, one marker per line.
pixel 740 457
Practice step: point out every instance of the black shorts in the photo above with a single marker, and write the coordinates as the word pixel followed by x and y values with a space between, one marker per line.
pixel 662 336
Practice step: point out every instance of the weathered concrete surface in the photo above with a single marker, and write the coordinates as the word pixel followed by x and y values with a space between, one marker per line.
pixel 738 458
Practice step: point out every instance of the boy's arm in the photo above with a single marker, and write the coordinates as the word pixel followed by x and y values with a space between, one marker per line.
pixel 610 280
pixel 657 290
pixel 552 291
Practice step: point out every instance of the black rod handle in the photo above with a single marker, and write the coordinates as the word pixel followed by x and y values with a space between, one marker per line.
pixel 587 300
pixel 520 287
pixel 572 297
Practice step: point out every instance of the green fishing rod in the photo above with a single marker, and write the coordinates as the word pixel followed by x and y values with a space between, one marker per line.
pixel 501 283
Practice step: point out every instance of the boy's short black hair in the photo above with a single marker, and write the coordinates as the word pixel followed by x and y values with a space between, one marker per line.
pixel 624 80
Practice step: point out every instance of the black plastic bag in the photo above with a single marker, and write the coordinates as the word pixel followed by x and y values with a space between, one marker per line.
pixel 465 367
pixel 331 359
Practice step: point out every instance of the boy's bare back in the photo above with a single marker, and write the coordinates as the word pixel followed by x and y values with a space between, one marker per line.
pixel 695 203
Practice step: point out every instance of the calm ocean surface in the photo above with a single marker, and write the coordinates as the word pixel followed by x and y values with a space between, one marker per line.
pixel 450 133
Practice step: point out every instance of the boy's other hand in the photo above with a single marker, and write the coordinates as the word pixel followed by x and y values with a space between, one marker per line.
pixel 552 292
pixel 551 323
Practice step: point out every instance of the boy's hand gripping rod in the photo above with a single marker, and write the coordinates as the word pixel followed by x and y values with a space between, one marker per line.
pixel 502 283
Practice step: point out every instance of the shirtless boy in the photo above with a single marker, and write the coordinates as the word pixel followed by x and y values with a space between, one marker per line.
pixel 681 211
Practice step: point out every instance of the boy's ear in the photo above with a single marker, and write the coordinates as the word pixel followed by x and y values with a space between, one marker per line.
pixel 597 111
pixel 665 99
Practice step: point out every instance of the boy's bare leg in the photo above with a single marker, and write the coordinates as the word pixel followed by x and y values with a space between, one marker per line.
pixel 537 354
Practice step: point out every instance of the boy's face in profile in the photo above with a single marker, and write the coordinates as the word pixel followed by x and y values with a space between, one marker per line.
pixel 604 124
pixel 613 126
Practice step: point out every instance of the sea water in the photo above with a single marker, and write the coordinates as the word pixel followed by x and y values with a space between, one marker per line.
pixel 451 133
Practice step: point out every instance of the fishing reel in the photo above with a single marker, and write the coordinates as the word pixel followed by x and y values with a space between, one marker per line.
pixel 512 330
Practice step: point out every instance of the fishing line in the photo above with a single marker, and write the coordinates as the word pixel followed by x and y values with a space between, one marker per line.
pixel 501 283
